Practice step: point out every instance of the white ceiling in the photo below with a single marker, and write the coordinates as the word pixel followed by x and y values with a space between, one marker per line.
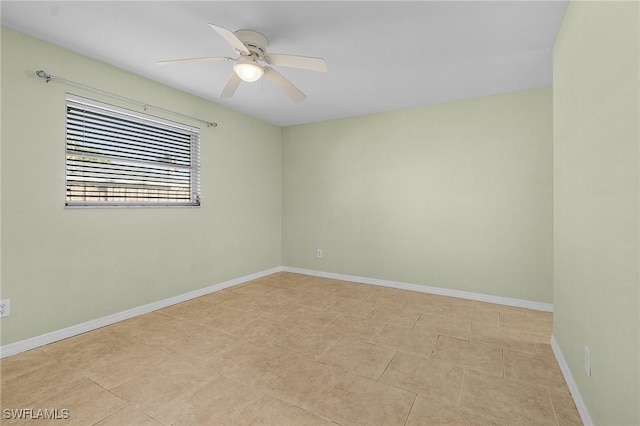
pixel 382 56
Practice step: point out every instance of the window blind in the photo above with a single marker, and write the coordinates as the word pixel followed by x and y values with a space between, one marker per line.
pixel 119 157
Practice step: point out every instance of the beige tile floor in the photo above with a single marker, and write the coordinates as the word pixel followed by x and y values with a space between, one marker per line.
pixel 291 349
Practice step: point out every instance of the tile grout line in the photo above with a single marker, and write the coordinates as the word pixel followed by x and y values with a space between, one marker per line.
pixel 464 370
pixel 413 327
pixel 415 397
pixel 435 347
pixel 327 349
pixel 553 408
pixel 325 394
pixel 387 366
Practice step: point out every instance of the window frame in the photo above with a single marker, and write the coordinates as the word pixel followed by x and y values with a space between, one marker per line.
pixel 190 162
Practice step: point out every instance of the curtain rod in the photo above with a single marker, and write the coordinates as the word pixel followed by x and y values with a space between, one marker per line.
pixel 49 77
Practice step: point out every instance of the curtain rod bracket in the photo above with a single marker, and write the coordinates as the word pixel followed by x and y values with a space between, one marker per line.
pixel 48 77
pixel 42 74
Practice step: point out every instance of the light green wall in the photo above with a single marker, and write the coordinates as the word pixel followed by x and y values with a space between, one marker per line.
pixel 596 204
pixel 60 266
pixel 457 195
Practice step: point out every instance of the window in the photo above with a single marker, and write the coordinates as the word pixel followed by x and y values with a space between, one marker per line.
pixel 117 157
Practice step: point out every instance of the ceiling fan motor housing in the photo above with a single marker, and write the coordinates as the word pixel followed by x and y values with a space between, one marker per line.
pixel 256 43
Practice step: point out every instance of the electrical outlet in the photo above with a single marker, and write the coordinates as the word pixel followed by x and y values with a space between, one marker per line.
pixel 319 253
pixel 587 360
pixel 5 307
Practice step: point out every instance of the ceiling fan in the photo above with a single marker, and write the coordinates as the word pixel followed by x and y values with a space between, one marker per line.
pixel 252 48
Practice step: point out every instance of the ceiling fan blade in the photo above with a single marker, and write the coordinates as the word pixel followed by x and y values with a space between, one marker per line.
pixel 293 61
pixel 231 86
pixel 283 84
pixel 231 38
pixel 204 58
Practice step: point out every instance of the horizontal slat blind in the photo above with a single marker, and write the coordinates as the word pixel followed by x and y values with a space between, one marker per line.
pixel 119 157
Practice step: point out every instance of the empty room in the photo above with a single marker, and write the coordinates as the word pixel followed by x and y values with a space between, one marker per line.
pixel 320 213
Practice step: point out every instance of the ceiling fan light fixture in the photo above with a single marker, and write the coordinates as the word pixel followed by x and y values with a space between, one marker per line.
pixel 248 70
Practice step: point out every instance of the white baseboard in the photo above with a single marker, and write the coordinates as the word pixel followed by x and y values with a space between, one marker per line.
pixel 538 306
pixel 54 336
pixel 74 330
pixel 571 384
